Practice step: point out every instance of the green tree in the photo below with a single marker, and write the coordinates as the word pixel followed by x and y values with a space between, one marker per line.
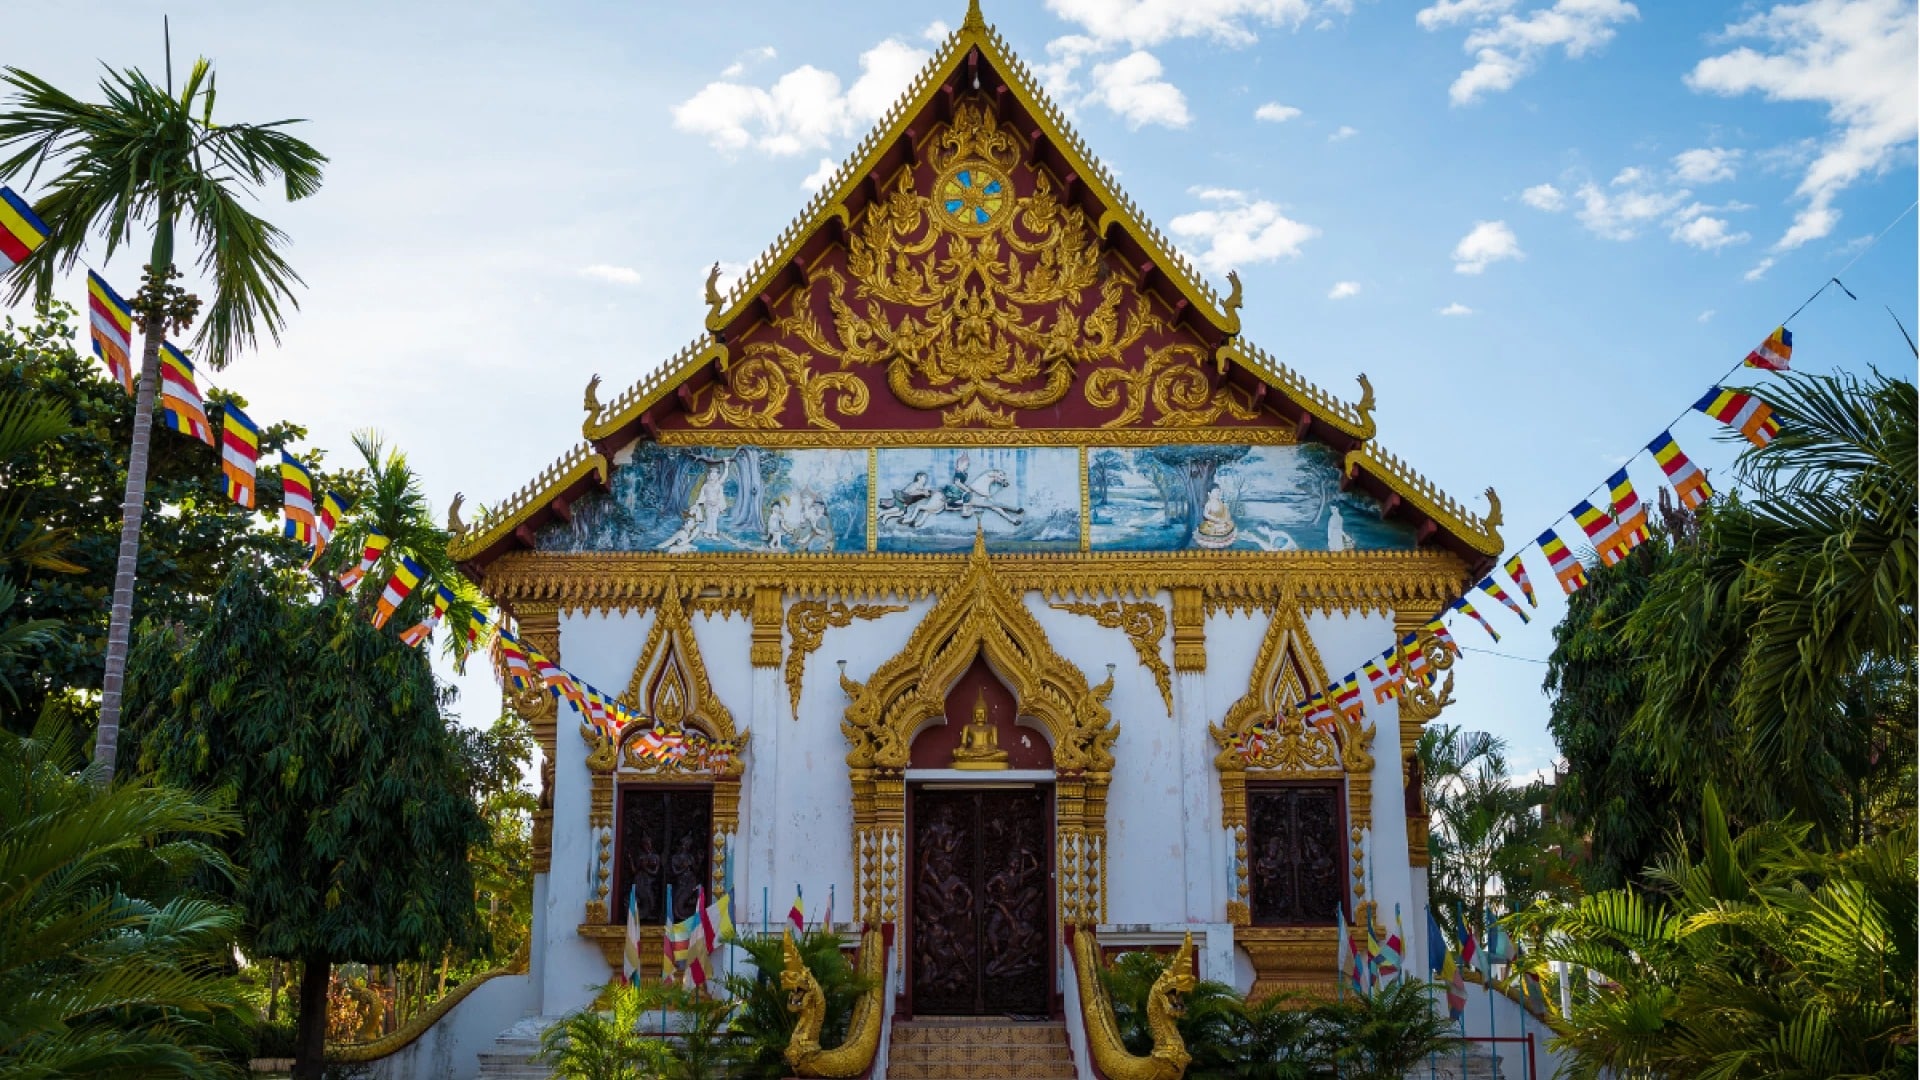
pixel 764 1023
pixel 595 1044
pixel 148 159
pixel 1779 654
pixel 57 486
pixel 1490 846
pixel 108 965
pixel 1763 958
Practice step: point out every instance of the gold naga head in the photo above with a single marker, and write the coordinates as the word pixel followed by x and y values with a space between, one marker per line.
pixel 795 979
pixel 1177 979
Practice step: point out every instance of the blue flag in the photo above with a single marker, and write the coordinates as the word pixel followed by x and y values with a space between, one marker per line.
pixel 1436 943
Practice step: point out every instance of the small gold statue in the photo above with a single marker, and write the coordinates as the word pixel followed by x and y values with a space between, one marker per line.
pixel 979 747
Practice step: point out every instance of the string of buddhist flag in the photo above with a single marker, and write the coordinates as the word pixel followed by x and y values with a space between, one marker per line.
pixel 1613 531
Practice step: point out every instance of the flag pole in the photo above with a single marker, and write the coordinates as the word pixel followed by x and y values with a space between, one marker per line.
pixel 667 956
pixel 1493 1027
pixel 765 929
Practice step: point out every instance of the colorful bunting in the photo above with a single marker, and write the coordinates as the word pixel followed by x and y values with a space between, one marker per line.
pixel 239 450
pixel 376 545
pixel 1629 513
pixel 1567 569
pixel 1417 667
pixel 1318 712
pixel 400 586
pixel 1775 353
pixel 1744 413
pixel 1442 635
pixel 1517 570
pixel 21 230
pixel 1689 483
pixel 1346 695
pixel 420 631
pixel 1456 990
pixel 331 511
pixel 296 499
pixel 1463 604
pixel 1601 530
pixel 180 406
pixel 110 324
pixel 1383 688
pixel 476 627
pixel 1492 588
pixel 513 657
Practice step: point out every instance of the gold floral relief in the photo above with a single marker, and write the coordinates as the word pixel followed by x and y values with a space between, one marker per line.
pixel 807 624
pixel 1174 380
pixel 1144 624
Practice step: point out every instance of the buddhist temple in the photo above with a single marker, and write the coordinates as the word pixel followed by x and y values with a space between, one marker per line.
pixel 991 565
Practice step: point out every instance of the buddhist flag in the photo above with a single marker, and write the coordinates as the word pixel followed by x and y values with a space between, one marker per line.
pixel 1517 570
pixel 514 658
pixel 797 914
pixel 1567 569
pixel 420 631
pixel 1391 659
pixel 239 449
pixel 327 520
pixel 1689 483
pixel 110 324
pixel 400 586
pixel 1377 681
pixel 21 230
pixel 376 544
pixel 296 499
pixel 1628 511
pixel 630 956
pixel 1347 697
pixel 1601 530
pixel 1492 588
pixel 1745 413
pixel 717 919
pixel 1463 604
pixel 1456 989
pixel 1319 713
pixel 1417 667
pixel 180 406
pixel 1443 635
pixel 1773 353
pixel 1469 948
pixel 476 627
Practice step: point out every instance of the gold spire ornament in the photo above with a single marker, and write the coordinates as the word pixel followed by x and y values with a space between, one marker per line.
pixel 979 748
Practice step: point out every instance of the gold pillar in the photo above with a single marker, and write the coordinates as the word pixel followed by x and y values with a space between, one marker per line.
pixel 540 627
pixel 767 618
pixel 1189 630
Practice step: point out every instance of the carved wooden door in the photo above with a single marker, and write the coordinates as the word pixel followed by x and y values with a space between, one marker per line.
pixel 1295 854
pixel 982 901
pixel 666 839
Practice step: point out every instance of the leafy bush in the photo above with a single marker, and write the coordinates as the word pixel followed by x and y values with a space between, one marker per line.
pixel 763 1023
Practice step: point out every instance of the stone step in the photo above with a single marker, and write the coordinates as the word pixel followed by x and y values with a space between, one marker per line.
pixel 984 1048
pixel 985 1054
pixel 979 1033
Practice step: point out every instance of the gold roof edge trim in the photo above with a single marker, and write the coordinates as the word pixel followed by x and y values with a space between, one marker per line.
pixel 1355 420
pixel 497 522
pixel 1481 533
pixel 651 387
pixel 829 199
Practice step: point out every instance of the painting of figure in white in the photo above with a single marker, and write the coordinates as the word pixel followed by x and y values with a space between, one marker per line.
pixel 1023 499
pixel 1230 498
pixel 678 500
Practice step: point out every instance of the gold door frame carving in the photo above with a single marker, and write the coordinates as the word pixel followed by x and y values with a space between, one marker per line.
pixel 1286 670
pixel 979 615
pixel 669 684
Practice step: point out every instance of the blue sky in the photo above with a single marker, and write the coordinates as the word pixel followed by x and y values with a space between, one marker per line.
pixel 1540 227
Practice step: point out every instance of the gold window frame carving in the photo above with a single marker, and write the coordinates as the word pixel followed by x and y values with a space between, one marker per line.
pixel 979 615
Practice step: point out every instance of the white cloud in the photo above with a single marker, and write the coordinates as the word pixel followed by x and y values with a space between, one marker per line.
pixel 748 59
pixel 1143 23
pixel 1856 57
pixel 822 173
pixel 1275 113
pixel 1705 316
pixel 1132 87
pixel 1489 242
pixel 936 31
pixel 1455 308
pixel 1343 134
pixel 1705 165
pixel 1343 289
pixel 612 275
pixel 803 110
pixel 1620 210
pixel 1759 269
pixel 1240 231
pixel 1506 46
pixel 1544 197
pixel 1707 233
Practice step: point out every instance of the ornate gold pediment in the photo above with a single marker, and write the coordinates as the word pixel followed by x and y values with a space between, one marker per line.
pixel 670 685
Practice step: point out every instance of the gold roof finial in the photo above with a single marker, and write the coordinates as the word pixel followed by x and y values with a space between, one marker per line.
pixel 974 20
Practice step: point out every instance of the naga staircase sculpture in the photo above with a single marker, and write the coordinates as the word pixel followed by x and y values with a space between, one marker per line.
pixel 855 1054
pixel 1169 1058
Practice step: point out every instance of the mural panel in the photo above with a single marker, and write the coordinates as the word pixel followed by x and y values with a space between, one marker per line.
pixel 1023 498
pixel 1241 498
pixel 682 499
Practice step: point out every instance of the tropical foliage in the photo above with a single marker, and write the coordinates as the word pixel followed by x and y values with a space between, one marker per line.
pixel 763 1022
pixel 110 965
pixel 1490 846
pixel 616 1042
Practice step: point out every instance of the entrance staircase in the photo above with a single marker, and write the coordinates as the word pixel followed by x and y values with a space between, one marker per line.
pixel 984 1048
pixel 511 1055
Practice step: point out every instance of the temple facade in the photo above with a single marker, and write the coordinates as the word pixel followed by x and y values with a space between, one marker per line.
pixel 990 563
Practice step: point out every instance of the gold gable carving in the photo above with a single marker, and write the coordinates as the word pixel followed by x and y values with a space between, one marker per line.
pixel 669 681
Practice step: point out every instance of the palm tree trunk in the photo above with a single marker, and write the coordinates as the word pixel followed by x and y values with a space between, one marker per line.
pixel 132 512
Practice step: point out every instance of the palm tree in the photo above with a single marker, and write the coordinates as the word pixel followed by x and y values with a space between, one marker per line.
pixel 146 158
pixel 1489 837
pixel 107 967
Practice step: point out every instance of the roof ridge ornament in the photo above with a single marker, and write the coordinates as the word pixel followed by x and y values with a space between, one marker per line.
pixel 974 20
